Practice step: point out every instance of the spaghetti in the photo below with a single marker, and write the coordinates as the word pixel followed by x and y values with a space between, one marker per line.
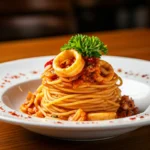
pixel 77 88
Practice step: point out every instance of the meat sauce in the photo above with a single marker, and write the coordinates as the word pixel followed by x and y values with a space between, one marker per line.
pixel 67 63
pixel 127 107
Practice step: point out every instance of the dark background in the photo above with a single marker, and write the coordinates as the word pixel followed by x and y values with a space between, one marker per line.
pixel 26 19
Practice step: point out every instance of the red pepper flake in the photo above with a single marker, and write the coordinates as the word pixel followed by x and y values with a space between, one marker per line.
pixel 126 72
pixel 119 70
pixel 111 122
pixel 29 116
pixel 8 81
pixel 59 122
pixel 13 114
pixel 144 75
pixel 34 72
pixel 48 63
pixel 141 117
pixel 3 82
pixel 1 86
pixel 133 118
pixel 1 108
pixel 15 77
pixel 54 77
pixel 22 74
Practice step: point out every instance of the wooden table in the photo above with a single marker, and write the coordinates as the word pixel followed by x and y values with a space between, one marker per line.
pixel 130 43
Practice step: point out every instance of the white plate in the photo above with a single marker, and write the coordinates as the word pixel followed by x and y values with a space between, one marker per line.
pixel 20 76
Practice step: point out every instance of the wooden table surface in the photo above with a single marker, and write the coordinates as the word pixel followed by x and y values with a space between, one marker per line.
pixel 129 43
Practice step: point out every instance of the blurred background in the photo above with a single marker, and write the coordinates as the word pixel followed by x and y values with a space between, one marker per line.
pixel 26 19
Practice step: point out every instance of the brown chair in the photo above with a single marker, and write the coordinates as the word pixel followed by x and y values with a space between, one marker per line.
pixel 21 19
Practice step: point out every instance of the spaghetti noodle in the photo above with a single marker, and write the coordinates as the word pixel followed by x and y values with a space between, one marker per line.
pixel 76 88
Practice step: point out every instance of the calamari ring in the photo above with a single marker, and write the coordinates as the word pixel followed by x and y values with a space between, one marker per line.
pixel 107 71
pixel 72 70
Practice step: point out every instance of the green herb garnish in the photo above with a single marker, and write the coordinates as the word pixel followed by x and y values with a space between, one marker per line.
pixel 54 116
pixel 86 45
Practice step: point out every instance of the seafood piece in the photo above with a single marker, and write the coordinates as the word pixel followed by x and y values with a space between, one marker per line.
pixel 68 63
pixel 105 73
pixel 101 116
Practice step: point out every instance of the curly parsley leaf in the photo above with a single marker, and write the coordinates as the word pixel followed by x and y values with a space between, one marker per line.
pixel 86 45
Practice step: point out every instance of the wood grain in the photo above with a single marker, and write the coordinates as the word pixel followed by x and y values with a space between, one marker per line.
pixel 128 43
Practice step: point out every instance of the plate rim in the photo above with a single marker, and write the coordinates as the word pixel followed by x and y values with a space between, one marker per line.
pixel 140 122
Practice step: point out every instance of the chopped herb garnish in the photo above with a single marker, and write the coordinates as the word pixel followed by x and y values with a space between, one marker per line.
pixel 87 46
pixel 54 116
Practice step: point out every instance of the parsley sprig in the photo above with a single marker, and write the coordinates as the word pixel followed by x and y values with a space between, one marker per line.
pixel 86 45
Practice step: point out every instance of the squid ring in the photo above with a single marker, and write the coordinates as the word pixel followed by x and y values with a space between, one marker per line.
pixel 107 71
pixel 74 69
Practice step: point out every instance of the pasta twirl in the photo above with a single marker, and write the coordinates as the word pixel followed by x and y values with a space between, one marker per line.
pixel 78 88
